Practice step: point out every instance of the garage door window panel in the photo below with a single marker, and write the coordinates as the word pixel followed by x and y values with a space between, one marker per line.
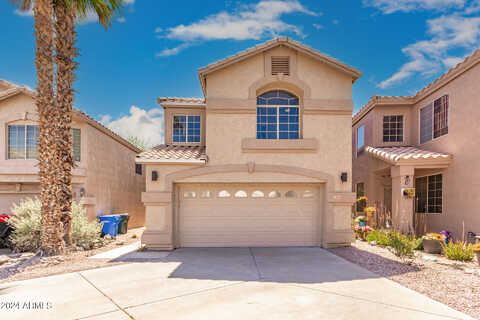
pixel 241 194
pixel 224 194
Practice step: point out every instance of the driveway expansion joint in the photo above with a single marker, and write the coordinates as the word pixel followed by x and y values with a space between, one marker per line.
pixel 106 296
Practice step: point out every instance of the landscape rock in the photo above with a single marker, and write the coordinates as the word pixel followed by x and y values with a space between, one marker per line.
pixel 429 258
pixel 120 242
pixel 4 259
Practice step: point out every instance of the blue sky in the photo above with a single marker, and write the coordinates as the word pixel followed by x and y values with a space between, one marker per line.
pixel 156 47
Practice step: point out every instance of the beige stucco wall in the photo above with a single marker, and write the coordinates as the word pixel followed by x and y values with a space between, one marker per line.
pixel 106 170
pixel 235 155
pixel 461 191
pixel 111 177
pixel 462 177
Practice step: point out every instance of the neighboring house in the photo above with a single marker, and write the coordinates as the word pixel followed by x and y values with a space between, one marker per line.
pixel 105 177
pixel 259 161
pixel 428 141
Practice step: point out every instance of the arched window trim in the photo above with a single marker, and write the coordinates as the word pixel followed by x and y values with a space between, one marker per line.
pixel 278 115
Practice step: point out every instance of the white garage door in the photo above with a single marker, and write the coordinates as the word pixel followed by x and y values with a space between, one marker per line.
pixel 226 215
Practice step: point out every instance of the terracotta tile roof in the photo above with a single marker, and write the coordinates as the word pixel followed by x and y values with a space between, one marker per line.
pixel 180 101
pixel 399 155
pixel 202 72
pixel 445 78
pixel 14 89
pixel 174 153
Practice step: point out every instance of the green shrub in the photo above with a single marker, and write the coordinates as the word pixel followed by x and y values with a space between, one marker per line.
pixel 458 251
pixel 418 243
pixel 402 245
pixel 380 237
pixel 27 224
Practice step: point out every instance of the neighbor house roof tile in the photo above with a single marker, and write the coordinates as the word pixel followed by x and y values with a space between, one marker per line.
pixel 399 155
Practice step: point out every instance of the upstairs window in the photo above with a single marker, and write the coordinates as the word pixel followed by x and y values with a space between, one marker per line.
pixel 186 128
pixel 360 138
pixel 23 142
pixel 277 116
pixel 76 144
pixel 281 65
pixel 434 120
pixel 392 128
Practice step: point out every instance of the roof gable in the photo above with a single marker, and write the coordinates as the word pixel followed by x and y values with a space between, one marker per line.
pixel 284 41
pixel 13 90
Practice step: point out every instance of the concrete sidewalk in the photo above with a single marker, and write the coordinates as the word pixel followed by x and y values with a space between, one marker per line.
pixel 222 283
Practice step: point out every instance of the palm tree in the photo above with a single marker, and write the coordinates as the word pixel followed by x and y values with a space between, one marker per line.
pixel 65 12
pixel 55 30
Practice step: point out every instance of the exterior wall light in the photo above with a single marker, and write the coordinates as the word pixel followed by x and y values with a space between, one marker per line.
pixel 154 176
pixel 344 177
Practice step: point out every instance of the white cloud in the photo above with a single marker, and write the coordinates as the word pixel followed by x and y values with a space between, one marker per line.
pixel 335 21
pixel 318 26
pixel 447 33
pixel 249 22
pixel 173 51
pixel 144 124
pixel 24 13
pixel 121 20
pixel 391 6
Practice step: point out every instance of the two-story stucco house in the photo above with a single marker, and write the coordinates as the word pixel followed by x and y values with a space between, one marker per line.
pixel 428 141
pixel 105 178
pixel 262 160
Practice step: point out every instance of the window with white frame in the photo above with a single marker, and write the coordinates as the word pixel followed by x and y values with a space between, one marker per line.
pixel 277 116
pixel 392 128
pixel 360 138
pixel 22 142
pixel 434 120
pixel 186 128
pixel 429 194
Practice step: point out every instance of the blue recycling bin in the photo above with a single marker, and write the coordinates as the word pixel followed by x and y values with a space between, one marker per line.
pixel 110 224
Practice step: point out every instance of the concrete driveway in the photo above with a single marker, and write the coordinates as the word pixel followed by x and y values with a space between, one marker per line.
pixel 222 283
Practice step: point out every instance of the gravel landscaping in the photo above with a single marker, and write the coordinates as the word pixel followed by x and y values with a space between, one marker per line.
pixel 22 266
pixel 456 284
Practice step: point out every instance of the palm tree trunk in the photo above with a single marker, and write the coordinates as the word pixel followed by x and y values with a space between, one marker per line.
pixel 65 54
pixel 44 35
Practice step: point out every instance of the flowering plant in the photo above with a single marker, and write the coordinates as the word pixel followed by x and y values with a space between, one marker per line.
pixel 476 247
pixel 434 236
pixel 362 199
pixel 447 234
pixel 360 219
pixel 409 192
pixel 362 232
pixel 369 211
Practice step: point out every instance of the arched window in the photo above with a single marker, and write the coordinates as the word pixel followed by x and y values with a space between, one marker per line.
pixel 277 115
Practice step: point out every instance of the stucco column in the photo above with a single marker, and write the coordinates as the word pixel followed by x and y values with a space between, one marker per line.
pixel 337 229
pixel 402 207
pixel 158 234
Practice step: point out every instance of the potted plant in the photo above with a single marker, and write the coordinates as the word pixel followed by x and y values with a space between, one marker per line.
pixel 408 192
pixel 432 242
pixel 476 249
pixel 362 232
pixel 361 221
